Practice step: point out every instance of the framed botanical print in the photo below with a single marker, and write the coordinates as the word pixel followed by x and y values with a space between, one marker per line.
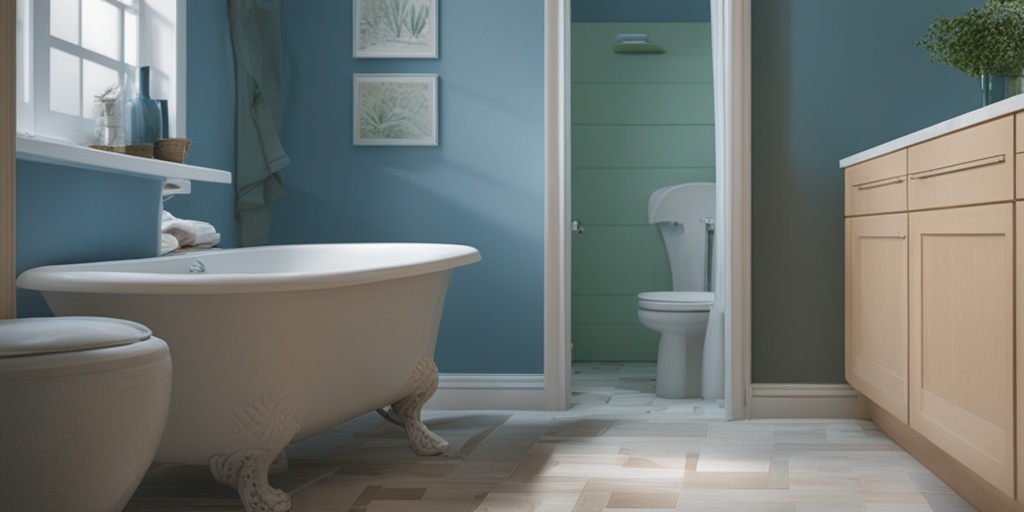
pixel 394 29
pixel 395 110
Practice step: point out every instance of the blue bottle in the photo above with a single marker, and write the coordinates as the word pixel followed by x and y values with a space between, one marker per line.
pixel 145 118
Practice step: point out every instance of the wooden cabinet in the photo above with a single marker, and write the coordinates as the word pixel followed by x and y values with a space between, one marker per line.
pixel 1019 149
pixel 961 336
pixel 876 310
pixel 970 166
pixel 878 185
pixel 934 293
pixel 1019 336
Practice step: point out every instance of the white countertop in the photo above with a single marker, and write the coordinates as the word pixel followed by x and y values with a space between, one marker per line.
pixel 997 109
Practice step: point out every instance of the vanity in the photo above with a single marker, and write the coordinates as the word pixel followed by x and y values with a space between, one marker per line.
pixel 935 294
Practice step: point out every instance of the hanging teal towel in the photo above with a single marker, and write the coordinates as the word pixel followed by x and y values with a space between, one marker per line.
pixel 259 155
pixel 638 48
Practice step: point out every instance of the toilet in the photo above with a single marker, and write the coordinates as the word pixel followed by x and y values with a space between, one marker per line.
pixel 682 214
pixel 84 403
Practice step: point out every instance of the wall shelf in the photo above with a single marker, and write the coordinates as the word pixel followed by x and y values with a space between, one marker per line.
pixel 41 150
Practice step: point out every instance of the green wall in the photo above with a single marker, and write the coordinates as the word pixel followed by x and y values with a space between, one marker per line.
pixel 639 123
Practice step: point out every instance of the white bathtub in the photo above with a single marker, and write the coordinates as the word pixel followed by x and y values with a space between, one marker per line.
pixel 274 344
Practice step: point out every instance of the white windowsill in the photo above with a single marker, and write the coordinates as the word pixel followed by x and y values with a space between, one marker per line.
pixel 46 151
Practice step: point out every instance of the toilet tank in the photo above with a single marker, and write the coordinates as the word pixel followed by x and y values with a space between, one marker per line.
pixel 679 212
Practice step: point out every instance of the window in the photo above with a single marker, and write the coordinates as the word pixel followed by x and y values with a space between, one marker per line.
pixel 70 51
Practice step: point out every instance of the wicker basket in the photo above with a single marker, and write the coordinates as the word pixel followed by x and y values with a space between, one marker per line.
pixel 142 150
pixel 172 150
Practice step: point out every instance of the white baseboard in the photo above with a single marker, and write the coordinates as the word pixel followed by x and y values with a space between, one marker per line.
pixel 525 392
pixel 514 392
pixel 802 401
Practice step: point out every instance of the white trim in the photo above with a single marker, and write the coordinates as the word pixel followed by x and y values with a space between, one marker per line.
pixel 557 352
pixel 488 391
pixel 802 401
pixel 39 149
pixel 735 20
pixel 8 59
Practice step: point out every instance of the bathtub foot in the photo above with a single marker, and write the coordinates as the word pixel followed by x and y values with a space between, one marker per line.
pixel 246 471
pixel 267 427
pixel 406 412
pixel 280 464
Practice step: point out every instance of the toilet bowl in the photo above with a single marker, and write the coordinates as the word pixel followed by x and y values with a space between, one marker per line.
pixel 682 214
pixel 84 403
pixel 679 317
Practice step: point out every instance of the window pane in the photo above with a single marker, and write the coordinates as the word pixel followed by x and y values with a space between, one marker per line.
pixel 131 38
pixel 24 59
pixel 96 79
pixel 64 20
pixel 65 83
pixel 101 28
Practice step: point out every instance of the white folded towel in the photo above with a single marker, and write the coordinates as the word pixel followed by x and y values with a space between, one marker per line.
pixel 167 243
pixel 189 233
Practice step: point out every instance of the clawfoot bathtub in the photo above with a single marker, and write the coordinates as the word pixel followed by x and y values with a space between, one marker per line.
pixel 271 345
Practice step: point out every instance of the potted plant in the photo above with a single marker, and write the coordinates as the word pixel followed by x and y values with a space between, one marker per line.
pixel 986 42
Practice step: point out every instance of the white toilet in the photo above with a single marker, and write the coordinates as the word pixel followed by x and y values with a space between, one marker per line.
pixel 682 214
pixel 84 401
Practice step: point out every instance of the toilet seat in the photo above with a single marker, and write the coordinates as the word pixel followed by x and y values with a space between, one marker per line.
pixel 676 301
pixel 35 348
pixel 38 336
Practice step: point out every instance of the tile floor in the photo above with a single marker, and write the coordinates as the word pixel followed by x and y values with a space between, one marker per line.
pixel 617 449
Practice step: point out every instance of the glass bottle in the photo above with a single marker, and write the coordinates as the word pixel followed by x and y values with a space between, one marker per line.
pixel 146 120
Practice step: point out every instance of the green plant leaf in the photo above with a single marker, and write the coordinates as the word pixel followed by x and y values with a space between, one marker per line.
pixel 986 40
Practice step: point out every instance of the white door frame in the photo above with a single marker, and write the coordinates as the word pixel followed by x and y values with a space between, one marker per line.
pixel 8 14
pixel 733 43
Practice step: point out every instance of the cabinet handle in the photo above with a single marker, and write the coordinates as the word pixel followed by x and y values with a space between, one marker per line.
pixel 899 234
pixel 878 183
pixel 973 164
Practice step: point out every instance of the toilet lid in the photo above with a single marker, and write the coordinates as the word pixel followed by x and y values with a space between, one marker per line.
pixel 676 301
pixel 34 336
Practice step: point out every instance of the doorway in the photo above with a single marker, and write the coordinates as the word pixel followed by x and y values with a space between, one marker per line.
pixel 732 174
pixel 640 121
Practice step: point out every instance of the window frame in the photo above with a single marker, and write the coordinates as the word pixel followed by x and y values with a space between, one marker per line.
pixel 40 148
pixel 158 21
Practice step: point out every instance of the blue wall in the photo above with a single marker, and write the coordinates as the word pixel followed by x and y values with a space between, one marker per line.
pixel 482 186
pixel 73 215
pixel 70 215
pixel 211 117
pixel 830 79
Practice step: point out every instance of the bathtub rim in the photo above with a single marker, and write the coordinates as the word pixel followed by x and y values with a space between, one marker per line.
pixel 95 277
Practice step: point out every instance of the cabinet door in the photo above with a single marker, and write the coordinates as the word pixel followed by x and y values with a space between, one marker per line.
pixel 876 310
pixel 961 336
pixel 1019 213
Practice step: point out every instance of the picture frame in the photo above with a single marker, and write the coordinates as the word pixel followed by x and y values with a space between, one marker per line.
pixel 396 29
pixel 394 110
